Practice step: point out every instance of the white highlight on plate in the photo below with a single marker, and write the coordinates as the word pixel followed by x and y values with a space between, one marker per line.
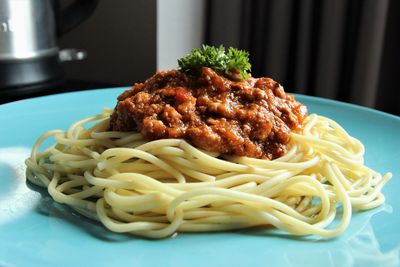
pixel 19 199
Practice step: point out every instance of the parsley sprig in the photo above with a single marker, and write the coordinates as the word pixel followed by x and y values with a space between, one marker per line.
pixel 231 63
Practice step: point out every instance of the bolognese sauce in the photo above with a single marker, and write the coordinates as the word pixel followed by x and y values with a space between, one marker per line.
pixel 251 117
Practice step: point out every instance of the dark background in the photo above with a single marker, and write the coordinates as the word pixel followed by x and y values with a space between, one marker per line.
pixel 339 49
pixel 389 70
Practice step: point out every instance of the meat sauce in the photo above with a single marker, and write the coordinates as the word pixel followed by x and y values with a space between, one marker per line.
pixel 250 118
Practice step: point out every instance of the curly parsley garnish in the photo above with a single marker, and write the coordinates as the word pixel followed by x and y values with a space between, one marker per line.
pixel 233 63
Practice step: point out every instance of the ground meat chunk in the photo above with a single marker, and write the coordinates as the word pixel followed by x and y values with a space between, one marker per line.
pixel 251 117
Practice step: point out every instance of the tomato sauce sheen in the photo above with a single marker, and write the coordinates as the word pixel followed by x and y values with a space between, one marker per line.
pixel 250 118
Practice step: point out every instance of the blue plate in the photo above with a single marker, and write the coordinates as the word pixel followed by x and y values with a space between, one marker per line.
pixel 35 231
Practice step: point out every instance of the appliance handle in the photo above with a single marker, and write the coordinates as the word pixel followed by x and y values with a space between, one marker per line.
pixel 74 14
pixel 72 54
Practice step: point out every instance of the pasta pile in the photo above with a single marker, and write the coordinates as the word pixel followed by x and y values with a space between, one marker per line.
pixel 155 189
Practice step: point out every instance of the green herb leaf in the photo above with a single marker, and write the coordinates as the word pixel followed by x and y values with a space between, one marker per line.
pixel 231 63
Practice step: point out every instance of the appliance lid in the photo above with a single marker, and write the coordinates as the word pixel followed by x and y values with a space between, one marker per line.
pixel 27 29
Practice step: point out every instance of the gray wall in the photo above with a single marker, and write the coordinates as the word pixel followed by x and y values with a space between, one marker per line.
pixel 180 27
pixel 120 38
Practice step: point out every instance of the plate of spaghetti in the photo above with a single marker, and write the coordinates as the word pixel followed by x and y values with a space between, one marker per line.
pixel 203 164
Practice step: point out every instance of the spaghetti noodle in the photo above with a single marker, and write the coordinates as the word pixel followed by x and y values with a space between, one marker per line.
pixel 157 188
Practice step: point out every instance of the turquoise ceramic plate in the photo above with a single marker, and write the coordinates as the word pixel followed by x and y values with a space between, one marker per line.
pixel 35 231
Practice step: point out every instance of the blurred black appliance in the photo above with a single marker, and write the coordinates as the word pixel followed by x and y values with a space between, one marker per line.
pixel 30 60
